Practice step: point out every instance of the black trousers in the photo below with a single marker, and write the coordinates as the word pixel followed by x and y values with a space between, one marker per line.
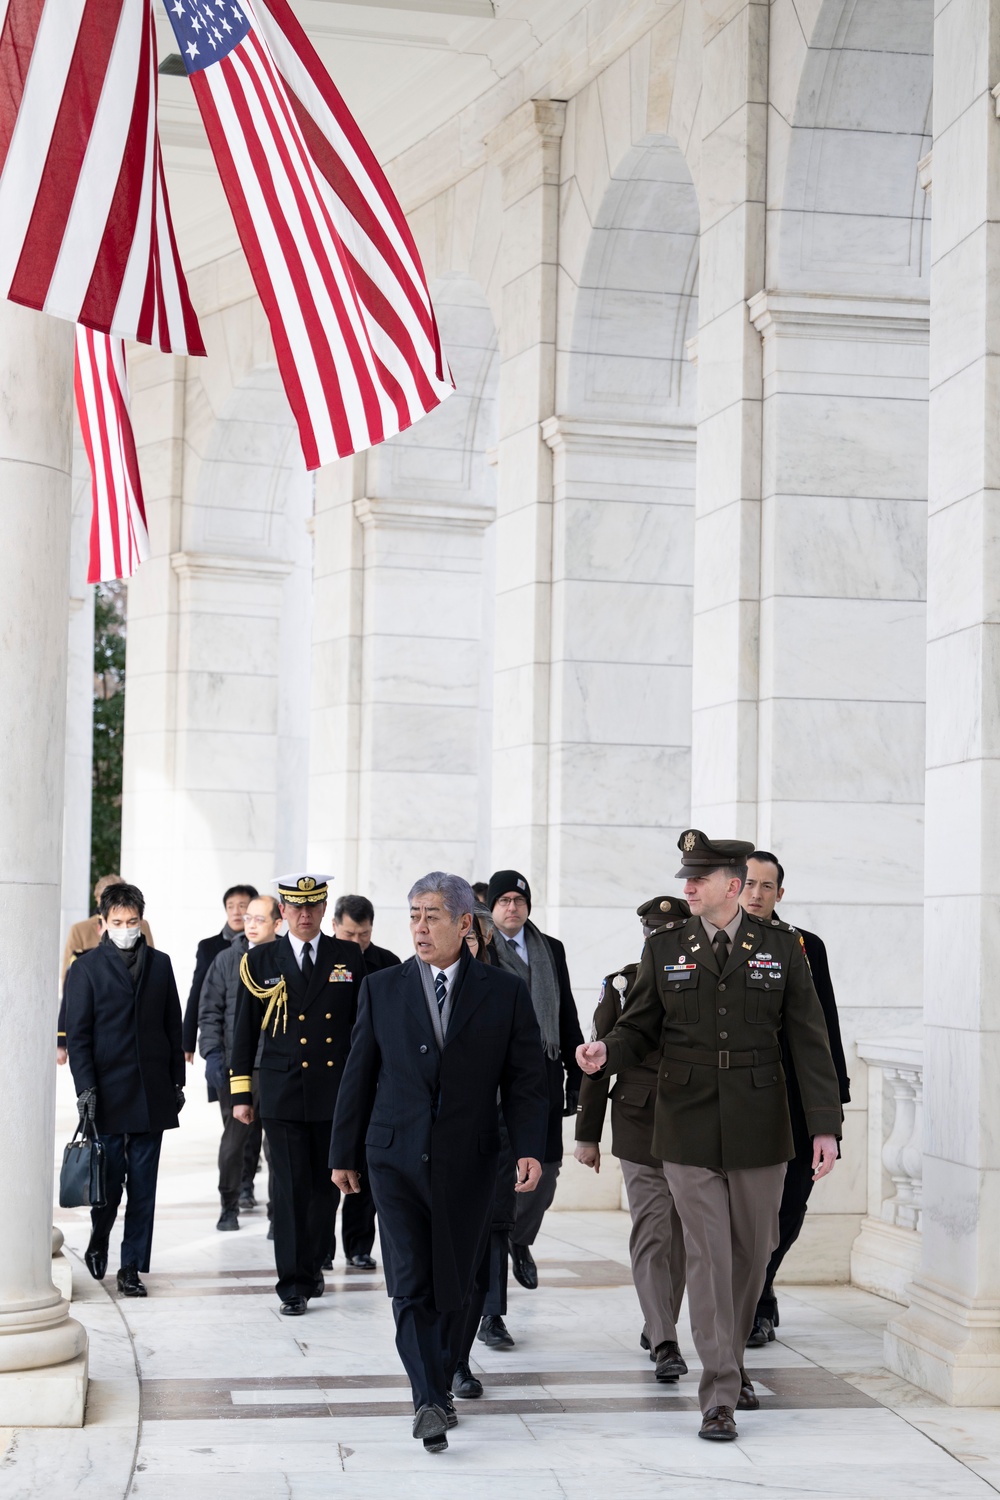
pixel 304 1202
pixel 131 1165
pixel 239 1148
pixel 357 1220
pixel 791 1216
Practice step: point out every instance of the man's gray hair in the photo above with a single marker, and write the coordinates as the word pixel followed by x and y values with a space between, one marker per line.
pixel 456 894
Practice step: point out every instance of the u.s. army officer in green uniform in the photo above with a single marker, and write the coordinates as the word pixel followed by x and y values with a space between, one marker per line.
pixel 713 994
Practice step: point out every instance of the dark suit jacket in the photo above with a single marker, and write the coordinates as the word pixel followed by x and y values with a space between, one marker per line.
pixel 304 1050
pixel 633 1096
pixel 208 949
pixel 820 966
pixel 377 959
pixel 125 1040
pixel 428 1118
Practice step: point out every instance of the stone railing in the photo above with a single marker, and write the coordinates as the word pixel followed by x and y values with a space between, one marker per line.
pixel 886 1253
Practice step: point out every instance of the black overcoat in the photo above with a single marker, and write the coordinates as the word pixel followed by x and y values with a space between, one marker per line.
pixel 125 1040
pixel 208 949
pixel 302 1058
pixel 819 966
pixel 428 1118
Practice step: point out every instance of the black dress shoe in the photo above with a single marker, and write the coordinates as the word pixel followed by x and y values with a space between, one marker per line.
pixel 247 1203
pixel 96 1259
pixel 270 1231
pixel 749 1400
pixel 645 1344
pixel 718 1425
pixel 450 1414
pixel 430 1424
pixel 669 1362
pixel 128 1282
pixel 294 1307
pixel 328 1263
pixel 319 1287
pixel 465 1384
pixel 523 1266
pixel 228 1219
pixel 361 1262
pixel 761 1333
pixel 493 1333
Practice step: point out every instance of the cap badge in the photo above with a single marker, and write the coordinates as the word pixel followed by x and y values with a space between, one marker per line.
pixel 666 905
pixel 689 842
pixel 306 883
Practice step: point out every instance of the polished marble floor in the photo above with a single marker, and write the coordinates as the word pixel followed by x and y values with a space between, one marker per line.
pixel 203 1392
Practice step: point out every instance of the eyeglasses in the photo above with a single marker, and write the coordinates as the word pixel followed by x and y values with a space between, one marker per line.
pixel 512 901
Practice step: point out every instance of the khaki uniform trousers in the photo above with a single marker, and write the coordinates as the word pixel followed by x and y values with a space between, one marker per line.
pixel 730 1224
pixel 656 1248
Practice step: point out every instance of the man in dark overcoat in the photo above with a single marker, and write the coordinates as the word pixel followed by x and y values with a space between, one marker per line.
pixel 436 1039
pixel 123 1026
pixel 714 993
pixel 294 1016
pixel 656 1244
pixel 540 960
pixel 765 887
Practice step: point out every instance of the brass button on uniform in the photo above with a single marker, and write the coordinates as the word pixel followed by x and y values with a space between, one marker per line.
pixel 329 1017
pixel 302 1040
pixel 305 1065
pixel 329 1038
pixel 722 1010
pixel 721 988
pixel 329 1064
pixel 301 1018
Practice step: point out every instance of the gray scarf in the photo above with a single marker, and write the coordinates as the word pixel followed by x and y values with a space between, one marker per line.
pixel 540 977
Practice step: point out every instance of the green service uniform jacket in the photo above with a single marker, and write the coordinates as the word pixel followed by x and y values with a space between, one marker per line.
pixel 721 1099
pixel 633 1096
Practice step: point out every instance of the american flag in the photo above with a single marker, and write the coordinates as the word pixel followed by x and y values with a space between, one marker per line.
pixel 119 541
pixel 86 226
pixel 332 257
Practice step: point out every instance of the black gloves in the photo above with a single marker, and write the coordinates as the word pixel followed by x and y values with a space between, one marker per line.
pixel 86 1104
pixel 179 1099
pixel 572 1100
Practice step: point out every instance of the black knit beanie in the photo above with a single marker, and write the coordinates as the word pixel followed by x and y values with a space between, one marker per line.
pixel 502 883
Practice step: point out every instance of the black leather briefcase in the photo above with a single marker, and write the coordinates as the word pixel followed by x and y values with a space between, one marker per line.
pixel 81 1181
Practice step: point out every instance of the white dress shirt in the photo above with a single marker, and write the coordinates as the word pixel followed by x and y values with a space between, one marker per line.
pixel 299 947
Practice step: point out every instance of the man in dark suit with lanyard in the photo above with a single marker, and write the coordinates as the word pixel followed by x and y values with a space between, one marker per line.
pixel 764 889
pixel 301 994
pixel 437 1038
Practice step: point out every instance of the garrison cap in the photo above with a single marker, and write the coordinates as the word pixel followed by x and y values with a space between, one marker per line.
pixel 701 855
pixel 302 889
pixel 660 909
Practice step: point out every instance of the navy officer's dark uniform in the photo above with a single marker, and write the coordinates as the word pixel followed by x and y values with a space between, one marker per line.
pixel 426 1116
pixel 306 1020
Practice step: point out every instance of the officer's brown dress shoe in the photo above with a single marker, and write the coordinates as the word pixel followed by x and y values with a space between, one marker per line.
pixel 718 1425
pixel 749 1400
pixel 670 1363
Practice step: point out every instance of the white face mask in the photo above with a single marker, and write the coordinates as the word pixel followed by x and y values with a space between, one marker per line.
pixel 124 937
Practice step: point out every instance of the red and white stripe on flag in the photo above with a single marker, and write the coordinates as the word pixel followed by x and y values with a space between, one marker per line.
pixel 86 225
pixel 119 541
pixel 331 254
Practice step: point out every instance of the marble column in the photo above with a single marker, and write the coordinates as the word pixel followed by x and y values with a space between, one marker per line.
pixel 727 528
pixel 948 1340
pixel 79 708
pixel 620 753
pixel 43 1359
pixel 526 147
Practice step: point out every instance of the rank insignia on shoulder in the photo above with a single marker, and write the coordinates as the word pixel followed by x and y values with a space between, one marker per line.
pixel 340 975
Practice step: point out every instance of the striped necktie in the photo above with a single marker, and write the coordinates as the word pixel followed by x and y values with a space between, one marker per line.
pixel 441 990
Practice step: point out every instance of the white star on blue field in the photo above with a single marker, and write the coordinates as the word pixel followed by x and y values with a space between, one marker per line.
pixel 206 30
